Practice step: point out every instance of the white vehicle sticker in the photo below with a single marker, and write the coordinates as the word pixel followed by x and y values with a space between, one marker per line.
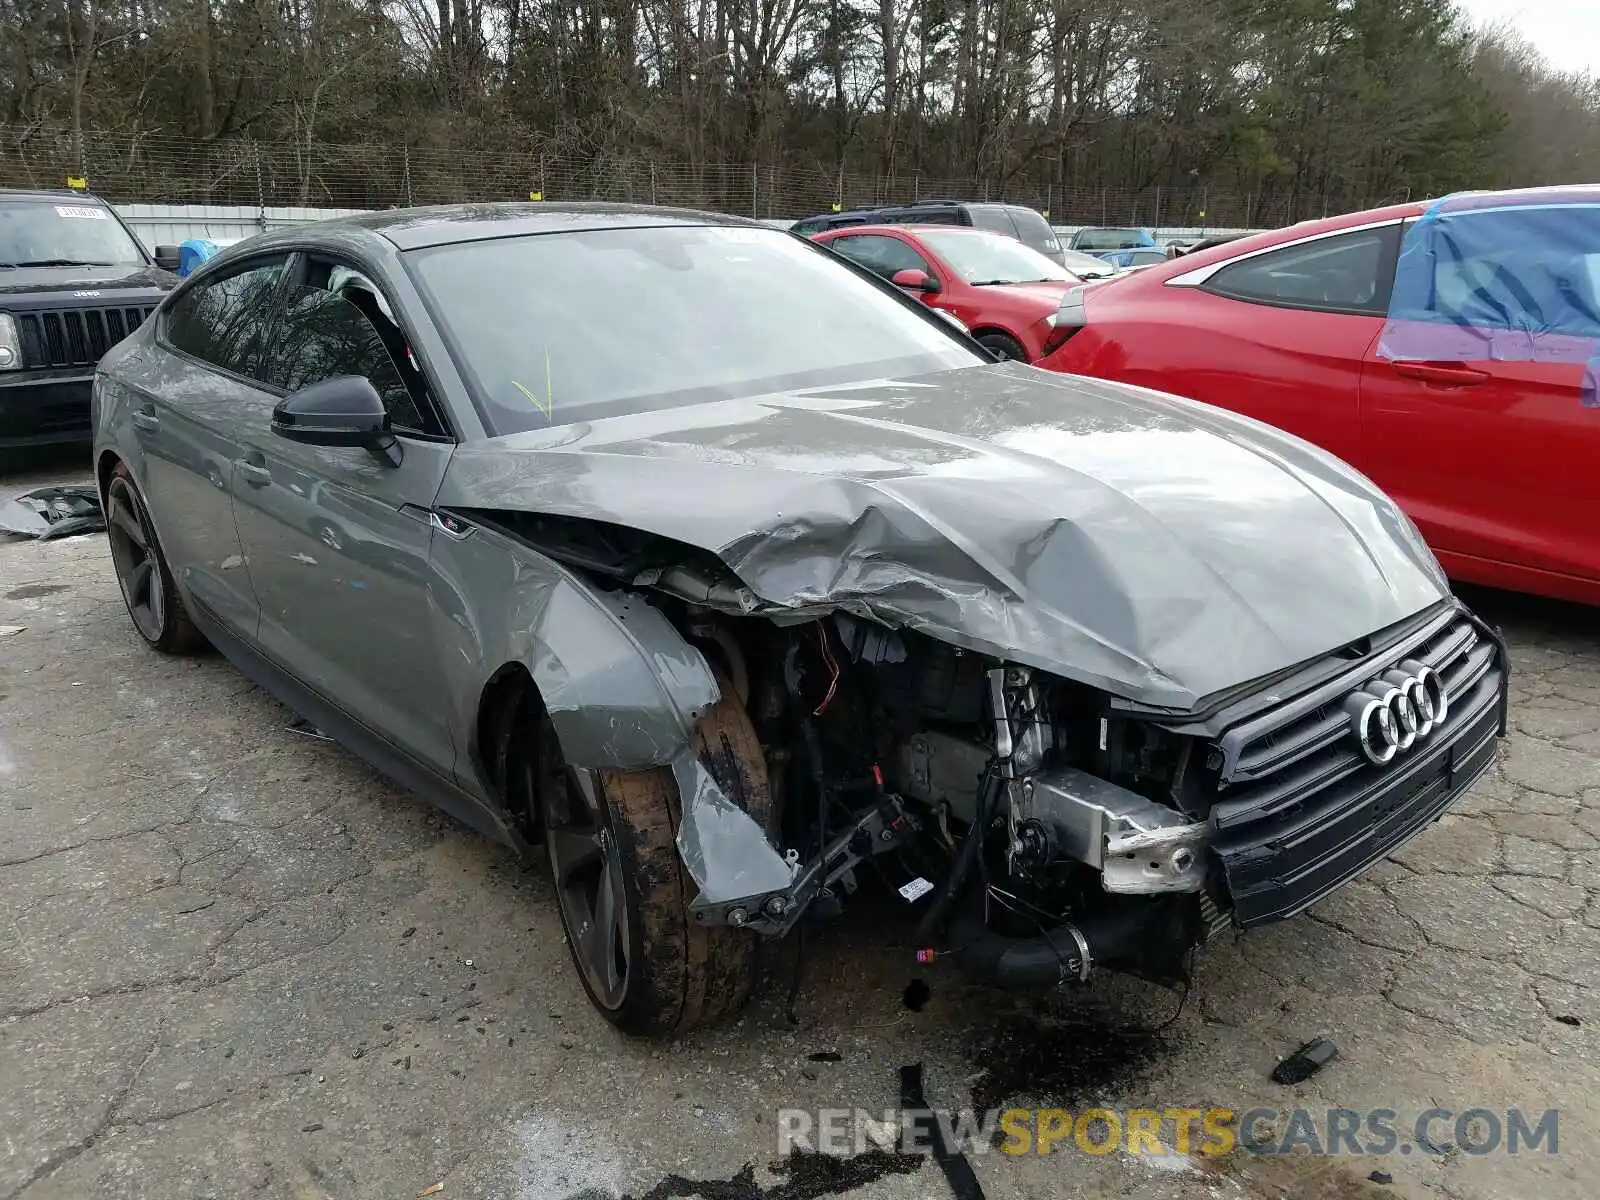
pixel 916 889
pixel 82 212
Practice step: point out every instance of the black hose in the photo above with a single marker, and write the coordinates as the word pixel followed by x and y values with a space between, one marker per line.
pixel 971 851
pixel 820 777
pixel 1058 955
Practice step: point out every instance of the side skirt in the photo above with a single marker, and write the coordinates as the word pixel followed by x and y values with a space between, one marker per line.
pixel 354 736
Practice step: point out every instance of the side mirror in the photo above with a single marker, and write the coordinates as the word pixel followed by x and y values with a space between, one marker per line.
pixel 168 258
pixel 344 410
pixel 914 280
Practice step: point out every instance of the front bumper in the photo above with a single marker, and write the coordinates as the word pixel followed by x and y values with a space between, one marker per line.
pixel 42 408
pixel 1281 859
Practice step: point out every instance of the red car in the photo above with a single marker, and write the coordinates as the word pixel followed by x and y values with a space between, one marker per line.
pixel 1449 350
pixel 1007 294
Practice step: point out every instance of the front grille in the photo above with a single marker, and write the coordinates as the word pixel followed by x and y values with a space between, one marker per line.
pixel 1300 808
pixel 1281 760
pixel 75 337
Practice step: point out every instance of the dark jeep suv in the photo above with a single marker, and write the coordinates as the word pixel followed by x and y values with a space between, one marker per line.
pixel 74 282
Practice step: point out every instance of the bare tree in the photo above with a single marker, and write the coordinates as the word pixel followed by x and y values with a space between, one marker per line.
pixel 1244 110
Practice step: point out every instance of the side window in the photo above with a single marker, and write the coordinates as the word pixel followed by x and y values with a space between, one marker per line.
pixel 1349 272
pixel 222 321
pixel 1033 230
pixel 881 255
pixel 342 326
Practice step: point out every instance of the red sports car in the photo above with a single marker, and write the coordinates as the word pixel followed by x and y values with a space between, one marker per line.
pixel 1007 294
pixel 1449 350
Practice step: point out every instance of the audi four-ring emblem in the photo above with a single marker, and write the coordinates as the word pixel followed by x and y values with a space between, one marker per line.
pixel 1396 710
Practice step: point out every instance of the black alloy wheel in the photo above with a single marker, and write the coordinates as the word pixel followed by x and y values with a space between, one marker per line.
pixel 147 588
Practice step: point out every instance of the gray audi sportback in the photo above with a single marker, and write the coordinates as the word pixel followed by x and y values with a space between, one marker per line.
pixel 717 566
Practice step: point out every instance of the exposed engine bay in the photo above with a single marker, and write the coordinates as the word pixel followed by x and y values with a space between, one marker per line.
pixel 1040 832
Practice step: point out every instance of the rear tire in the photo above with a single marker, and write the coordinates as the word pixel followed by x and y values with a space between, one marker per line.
pixel 1003 346
pixel 647 965
pixel 142 573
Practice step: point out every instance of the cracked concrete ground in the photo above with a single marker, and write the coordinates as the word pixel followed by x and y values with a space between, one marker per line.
pixel 236 962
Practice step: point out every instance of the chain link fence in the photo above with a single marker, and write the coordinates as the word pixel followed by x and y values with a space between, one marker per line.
pixel 165 169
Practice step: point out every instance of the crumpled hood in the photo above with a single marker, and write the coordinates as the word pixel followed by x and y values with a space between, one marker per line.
pixel 1158 548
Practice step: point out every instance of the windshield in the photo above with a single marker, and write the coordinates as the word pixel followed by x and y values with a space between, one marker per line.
pixel 553 329
pixel 48 234
pixel 1085 264
pixel 1108 239
pixel 986 258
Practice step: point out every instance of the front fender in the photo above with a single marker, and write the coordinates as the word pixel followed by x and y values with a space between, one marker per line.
pixel 624 690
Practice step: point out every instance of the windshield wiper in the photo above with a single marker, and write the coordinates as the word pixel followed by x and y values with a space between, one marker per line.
pixel 1005 282
pixel 56 262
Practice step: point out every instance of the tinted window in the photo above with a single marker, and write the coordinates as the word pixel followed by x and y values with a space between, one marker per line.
pixel 879 254
pixel 926 216
pixel 992 218
pixel 1339 274
pixel 322 334
pixel 1034 230
pixel 222 320
pixel 65 232
pixel 810 225
pixel 560 328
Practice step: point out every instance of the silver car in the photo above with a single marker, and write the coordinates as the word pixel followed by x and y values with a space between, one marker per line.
pixel 719 568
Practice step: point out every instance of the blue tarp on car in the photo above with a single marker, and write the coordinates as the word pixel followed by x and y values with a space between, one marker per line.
pixel 194 252
pixel 1501 278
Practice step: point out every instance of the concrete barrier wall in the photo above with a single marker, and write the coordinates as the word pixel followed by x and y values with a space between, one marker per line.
pixel 170 224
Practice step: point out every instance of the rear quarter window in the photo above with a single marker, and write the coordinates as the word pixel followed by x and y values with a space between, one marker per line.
pixel 1347 272
pixel 993 218
pixel 1034 230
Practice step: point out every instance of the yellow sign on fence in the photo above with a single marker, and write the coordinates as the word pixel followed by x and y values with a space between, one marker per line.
pixel 77 182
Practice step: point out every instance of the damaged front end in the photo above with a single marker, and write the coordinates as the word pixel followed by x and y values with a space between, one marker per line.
pixel 1047 829
pixel 1086 673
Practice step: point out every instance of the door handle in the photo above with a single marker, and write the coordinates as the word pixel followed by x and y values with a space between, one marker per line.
pixel 146 420
pixel 253 470
pixel 1443 374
